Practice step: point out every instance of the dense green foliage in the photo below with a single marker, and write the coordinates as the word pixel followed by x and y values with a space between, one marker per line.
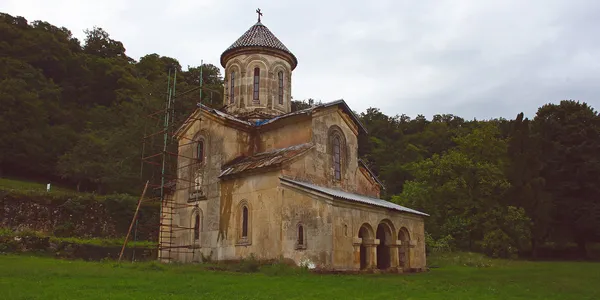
pixel 468 277
pixel 502 187
pixel 75 113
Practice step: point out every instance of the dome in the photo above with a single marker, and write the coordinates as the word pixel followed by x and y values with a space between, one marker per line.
pixel 259 37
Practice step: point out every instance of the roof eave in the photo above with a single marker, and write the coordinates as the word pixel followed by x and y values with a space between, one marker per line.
pixel 230 53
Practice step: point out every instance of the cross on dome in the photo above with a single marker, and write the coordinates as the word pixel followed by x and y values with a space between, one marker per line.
pixel 259 13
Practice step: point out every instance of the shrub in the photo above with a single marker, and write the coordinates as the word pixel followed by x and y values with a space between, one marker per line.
pixel 498 244
pixel 249 265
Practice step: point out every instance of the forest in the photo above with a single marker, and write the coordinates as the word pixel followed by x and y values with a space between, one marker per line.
pixel 74 113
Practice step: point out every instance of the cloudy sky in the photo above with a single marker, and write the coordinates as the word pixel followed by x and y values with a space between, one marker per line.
pixel 473 58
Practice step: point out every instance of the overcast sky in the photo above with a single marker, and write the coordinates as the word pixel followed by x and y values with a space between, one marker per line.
pixel 473 58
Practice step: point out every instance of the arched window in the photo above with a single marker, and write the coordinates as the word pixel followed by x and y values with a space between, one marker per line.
pixel 197 227
pixel 232 88
pixel 256 83
pixel 245 221
pixel 280 95
pixel 200 151
pixel 337 158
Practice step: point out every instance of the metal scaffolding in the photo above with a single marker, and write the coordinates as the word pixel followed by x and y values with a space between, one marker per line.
pixel 162 165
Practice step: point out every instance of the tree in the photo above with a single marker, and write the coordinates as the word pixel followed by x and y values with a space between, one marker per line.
pixel 528 188
pixel 463 189
pixel 569 136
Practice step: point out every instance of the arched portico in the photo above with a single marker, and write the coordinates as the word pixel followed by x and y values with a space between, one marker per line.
pixel 365 247
pixel 386 258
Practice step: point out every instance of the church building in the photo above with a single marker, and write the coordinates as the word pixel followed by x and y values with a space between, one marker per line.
pixel 257 179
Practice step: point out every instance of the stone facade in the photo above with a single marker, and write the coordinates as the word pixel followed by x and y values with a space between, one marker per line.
pixel 261 180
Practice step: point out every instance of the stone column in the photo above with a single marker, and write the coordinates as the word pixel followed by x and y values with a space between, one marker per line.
pixel 356 242
pixel 244 91
pixel 412 244
pixel 394 255
pixel 372 253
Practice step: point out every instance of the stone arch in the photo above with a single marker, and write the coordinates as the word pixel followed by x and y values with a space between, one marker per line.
pixel 196 224
pixel 244 222
pixel 253 58
pixel 300 236
pixel 233 67
pixel 333 132
pixel 264 81
pixel 386 238
pixel 276 68
pixel 404 249
pixel 366 234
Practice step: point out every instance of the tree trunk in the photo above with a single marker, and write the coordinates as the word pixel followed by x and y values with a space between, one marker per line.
pixel 78 185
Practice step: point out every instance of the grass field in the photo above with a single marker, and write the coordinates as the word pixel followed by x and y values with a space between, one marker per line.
pixel 23 277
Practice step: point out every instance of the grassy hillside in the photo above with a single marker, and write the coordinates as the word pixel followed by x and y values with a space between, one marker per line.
pixel 458 277
pixel 16 184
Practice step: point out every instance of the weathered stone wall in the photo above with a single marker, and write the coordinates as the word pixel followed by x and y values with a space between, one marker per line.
pixel 317 166
pixel 222 144
pixel 365 185
pixel 288 133
pixel 243 66
pixel 77 215
pixel 333 230
pixel 317 218
pixel 261 195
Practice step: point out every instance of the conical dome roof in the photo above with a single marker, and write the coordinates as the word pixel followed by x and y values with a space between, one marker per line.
pixel 259 36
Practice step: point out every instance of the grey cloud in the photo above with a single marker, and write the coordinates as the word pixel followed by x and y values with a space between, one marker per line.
pixel 475 59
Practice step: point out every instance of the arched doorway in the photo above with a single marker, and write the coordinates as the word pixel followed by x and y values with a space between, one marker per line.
pixel 366 234
pixel 403 250
pixel 384 235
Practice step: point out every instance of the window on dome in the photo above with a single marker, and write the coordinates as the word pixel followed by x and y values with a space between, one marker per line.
pixel 256 84
pixel 232 88
pixel 280 75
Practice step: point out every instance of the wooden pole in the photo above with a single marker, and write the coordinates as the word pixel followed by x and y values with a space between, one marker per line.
pixel 133 220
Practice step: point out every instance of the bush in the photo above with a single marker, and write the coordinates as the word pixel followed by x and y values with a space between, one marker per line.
pixel 498 244
pixel 445 244
pixel 283 267
pixel 249 265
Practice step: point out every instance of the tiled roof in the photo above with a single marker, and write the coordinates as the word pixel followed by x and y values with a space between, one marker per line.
pixel 263 160
pixel 354 197
pixel 259 36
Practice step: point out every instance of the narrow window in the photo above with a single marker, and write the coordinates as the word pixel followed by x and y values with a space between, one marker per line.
pixel 232 88
pixel 197 228
pixel 245 222
pixel 280 74
pixel 300 235
pixel 200 151
pixel 256 83
pixel 337 163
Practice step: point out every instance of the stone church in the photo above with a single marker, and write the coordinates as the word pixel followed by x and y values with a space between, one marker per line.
pixel 258 179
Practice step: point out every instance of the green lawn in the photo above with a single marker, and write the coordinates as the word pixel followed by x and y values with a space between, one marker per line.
pixel 23 277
